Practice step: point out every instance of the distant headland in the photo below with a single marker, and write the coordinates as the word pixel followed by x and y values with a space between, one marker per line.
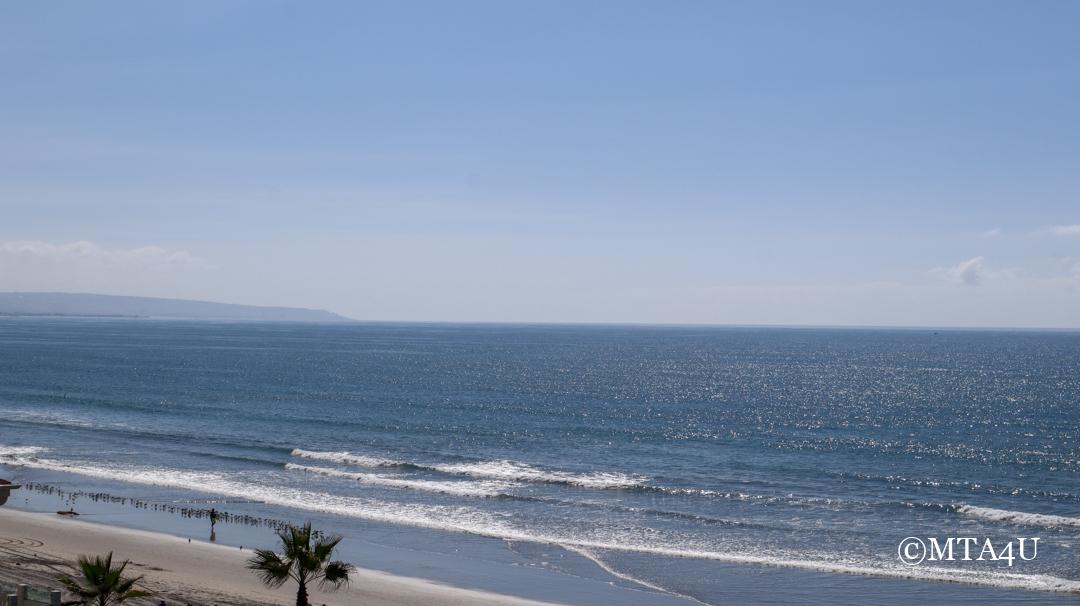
pixel 112 306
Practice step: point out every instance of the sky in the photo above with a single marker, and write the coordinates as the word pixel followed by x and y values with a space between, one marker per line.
pixel 839 163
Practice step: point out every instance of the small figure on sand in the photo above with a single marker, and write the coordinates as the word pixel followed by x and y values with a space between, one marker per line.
pixel 213 524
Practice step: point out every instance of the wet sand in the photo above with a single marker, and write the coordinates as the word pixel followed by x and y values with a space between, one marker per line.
pixel 36 548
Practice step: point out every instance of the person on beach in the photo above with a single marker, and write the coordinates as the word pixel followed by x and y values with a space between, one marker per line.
pixel 213 525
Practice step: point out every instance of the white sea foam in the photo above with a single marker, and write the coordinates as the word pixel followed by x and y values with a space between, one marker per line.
pixel 522 472
pixel 508 471
pixel 20 451
pixel 439 517
pixel 516 472
pixel 459 488
pixel 346 458
pixel 1018 517
pixel 473 521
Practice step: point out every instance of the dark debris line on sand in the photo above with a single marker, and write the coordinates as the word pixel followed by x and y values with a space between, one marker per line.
pixel 22 562
pixel 182 511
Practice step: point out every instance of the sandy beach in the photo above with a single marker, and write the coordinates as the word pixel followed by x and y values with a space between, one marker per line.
pixel 36 548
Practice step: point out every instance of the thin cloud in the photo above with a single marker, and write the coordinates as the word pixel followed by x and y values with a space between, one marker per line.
pixel 969 272
pixel 21 253
pixel 85 266
pixel 1065 230
pixel 991 233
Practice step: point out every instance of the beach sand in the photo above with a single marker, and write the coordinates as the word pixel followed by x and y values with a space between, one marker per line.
pixel 36 548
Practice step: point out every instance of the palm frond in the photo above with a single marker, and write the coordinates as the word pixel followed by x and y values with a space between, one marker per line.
pixel 75 587
pixel 325 546
pixel 270 567
pixel 301 560
pixel 101 582
pixel 336 575
pixel 131 595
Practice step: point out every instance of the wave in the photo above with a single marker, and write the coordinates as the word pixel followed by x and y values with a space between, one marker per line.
pixel 942 450
pixel 348 458
pixel 496 489
pixel 245 459
pixel 1019 517
pixel 462 489
pixel 963 485
pixel 438 517
pixel 50 420
pixel 20 451
pixel 473 521
pixel 522 472
pixel 788 499
pixel 511 472
pixel 505 470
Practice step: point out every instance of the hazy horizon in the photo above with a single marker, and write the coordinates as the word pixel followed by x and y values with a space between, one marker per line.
pixel 773 164
pixel 349 320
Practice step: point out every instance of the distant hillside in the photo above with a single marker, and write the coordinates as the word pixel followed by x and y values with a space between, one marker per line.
pixel 71 304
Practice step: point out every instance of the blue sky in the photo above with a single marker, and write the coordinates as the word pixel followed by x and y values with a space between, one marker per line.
pixel 898 163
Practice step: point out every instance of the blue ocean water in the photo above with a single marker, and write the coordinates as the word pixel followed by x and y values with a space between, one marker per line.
pixel 669 460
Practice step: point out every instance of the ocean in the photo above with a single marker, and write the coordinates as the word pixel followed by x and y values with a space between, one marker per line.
pixel 589 464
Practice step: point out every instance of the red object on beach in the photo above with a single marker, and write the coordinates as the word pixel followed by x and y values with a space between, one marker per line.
pixel 3 482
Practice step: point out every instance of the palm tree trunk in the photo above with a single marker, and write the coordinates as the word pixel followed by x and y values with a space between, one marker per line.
pixel 301 595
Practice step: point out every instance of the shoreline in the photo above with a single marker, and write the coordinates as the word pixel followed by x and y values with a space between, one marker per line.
pixel 165 554
pixel 40 546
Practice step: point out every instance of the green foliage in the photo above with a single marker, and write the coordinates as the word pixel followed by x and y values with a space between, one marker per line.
pixel 100 583
pixel 305 559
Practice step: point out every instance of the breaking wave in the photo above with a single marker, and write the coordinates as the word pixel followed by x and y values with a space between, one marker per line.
pixel 348 458
pixel 440 517
pixel 507 471
pixel 1018 517
pixel 457 488
pixel 20 451
pixel 474 521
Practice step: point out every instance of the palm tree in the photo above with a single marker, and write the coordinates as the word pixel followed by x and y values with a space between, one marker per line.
pixel 101 584
pixel 304 561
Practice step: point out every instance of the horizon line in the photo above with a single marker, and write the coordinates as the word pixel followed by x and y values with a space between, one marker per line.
pixel 580 323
